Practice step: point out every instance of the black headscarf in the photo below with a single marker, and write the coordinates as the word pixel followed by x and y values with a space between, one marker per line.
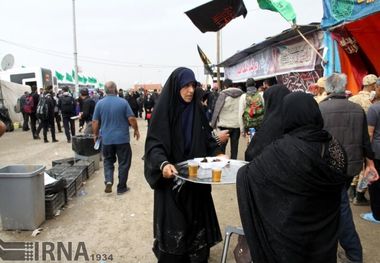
pixel 289 195
pixel 272 123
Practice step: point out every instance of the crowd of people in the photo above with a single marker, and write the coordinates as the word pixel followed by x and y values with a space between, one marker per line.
pixel 292 194
pixel 307 159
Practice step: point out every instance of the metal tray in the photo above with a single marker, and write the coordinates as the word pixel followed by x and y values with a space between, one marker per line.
pixel 229 173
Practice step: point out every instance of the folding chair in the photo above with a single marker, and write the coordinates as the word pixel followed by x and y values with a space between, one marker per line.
pixel 229 231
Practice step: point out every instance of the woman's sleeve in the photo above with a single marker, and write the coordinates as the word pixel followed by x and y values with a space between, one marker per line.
pixel 154 158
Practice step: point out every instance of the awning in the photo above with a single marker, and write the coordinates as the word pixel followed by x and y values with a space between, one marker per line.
pixel 270 41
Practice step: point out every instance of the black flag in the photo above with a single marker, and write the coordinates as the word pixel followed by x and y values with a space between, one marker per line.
pixel 206 61
pixel 214 15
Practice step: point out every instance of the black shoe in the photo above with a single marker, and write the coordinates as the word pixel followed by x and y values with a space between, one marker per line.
pixel 123 191
pixel 68 140
pixel 36 137
pixel 55 140
pixel 108 187
pixel 46 140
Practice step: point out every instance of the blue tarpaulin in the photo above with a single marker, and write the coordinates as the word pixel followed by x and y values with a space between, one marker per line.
pixel 340 11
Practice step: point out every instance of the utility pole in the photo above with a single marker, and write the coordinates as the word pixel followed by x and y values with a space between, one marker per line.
pixel 75 53
pixel 218 59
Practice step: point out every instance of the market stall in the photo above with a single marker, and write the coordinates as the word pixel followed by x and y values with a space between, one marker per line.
pixel 351 38
pixel 286 57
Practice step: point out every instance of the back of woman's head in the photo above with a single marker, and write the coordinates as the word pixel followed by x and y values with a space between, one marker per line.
pixel 300 110
pixel 273 97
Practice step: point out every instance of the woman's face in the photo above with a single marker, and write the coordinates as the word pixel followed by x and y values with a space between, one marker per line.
pixel 187 92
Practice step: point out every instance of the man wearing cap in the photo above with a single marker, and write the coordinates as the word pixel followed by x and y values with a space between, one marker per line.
pixel 365 97
pixel 321 95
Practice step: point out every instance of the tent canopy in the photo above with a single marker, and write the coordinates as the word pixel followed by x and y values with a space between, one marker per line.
pixel 338 12
pixel 10 93
pixel 269 41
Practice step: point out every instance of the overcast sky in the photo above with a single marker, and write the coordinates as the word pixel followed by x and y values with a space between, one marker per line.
pixel 130 41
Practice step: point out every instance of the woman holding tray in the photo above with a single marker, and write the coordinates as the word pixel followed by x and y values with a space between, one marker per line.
pixel 185 222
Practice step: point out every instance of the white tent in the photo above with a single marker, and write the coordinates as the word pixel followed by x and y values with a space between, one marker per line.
pixel 11 92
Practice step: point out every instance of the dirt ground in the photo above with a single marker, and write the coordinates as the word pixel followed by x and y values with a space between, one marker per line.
pixel 121 226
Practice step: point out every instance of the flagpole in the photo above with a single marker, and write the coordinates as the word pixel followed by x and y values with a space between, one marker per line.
pixel 295 26
pixel 75 52
pixel 218 59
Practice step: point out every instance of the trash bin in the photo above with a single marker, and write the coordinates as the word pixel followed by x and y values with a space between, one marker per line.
pixel 22 197
pixel 84 145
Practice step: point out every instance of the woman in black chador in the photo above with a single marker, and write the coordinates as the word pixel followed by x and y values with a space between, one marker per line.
pixel 185 222
pixel 289 195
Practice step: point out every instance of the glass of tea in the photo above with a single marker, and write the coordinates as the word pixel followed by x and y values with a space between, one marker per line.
pixel 193 168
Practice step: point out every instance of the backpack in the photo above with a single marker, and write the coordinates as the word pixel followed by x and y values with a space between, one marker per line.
pixel 42 109
pixel 28 104
pixel 67 105
pixel 253 114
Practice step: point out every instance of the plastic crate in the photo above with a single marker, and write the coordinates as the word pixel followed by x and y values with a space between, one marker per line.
pixel 66 161
pixel 77 171
pixel 88 164
pixel 53 203
pixel 56 171
pixel 70 188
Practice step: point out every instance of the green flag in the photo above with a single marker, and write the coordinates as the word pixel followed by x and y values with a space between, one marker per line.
pixel 84 79
pixel 59 76
pixel 281 6
pixel 101 85
pixel 80 79
pixel 92 80
pixel 73 74
pixel 69 77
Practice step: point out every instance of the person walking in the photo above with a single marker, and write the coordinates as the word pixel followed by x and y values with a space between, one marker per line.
pixel 32 115
pixel 346 121
pixel 66 104
pixel 45 113
pixel 185 222
pixel 113 116
pixel 26 108
pixel 87 111
pixel 226 115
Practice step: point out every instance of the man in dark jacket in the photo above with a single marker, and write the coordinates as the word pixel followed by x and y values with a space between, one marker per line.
pixel 48 120
pixel 66 104
pixel 132 100
pixel 347 122
pixel 32 115
pixel 88 106
pixel 25 115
